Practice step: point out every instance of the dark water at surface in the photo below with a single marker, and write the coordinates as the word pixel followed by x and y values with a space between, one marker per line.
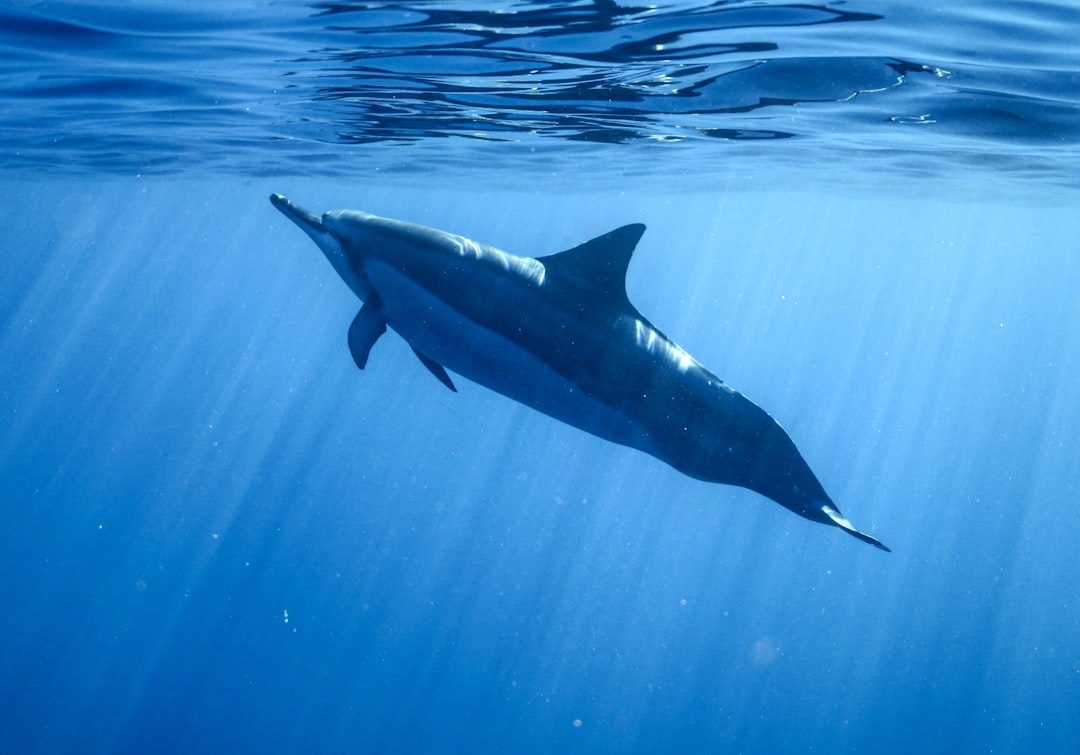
pixel 775 88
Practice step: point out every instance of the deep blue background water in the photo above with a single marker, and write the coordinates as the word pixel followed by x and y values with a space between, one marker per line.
pixel 221 537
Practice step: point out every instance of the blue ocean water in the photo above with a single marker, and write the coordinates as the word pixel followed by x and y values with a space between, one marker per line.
pixel 221 537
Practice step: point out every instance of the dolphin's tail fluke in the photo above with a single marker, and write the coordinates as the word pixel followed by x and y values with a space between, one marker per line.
pixel 841 521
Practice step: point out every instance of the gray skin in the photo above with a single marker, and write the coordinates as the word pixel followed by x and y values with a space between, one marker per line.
pixel 558 334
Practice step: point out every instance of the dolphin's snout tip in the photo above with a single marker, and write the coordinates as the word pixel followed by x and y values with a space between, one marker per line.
pixel 308 221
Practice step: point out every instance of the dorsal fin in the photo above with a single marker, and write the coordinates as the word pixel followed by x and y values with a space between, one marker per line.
pixel 597 268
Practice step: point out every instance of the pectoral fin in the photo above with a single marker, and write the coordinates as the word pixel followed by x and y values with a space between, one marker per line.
pixel 365 330
pixel 437 370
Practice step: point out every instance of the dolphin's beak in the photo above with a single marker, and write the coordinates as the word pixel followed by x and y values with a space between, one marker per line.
pixel 311 223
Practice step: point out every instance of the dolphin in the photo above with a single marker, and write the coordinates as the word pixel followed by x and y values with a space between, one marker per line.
pixel 558 334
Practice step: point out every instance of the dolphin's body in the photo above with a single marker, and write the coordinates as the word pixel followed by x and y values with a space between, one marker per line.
pixel 558 334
